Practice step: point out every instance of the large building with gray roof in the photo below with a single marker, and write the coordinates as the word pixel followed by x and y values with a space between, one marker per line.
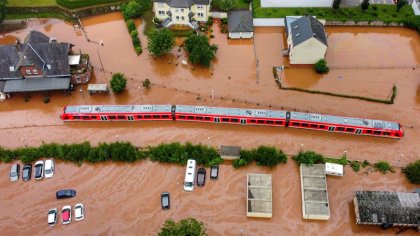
pixel 306 39
pixel 36 64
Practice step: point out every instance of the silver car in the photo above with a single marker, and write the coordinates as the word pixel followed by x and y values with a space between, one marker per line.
pixel 14 172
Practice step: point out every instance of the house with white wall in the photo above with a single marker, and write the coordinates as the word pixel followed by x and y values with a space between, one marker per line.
pixel 181 12
pixel 416 7
pixel 296 3
pixel 306 40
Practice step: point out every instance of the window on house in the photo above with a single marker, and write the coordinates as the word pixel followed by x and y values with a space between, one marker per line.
pixel 182 18
pixel 200 14
pixel 200 7
pixel 176 10
pixel 177 17
pixel 161 12
pixel 182 10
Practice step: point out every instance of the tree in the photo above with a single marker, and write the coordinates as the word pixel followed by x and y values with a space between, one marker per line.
pixel 135 8
pixel 224 5
pixel 199 50
pixel 400 4
pixel 365 5
pixel 321 66
pixel 3 4
pixel 118 82
pixel 336 4
pixel 190 227
pixel 160 42
pixel 269 156
pixel 412 172
pixel 308 157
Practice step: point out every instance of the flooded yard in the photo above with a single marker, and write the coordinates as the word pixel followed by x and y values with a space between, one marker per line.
pixel 123 199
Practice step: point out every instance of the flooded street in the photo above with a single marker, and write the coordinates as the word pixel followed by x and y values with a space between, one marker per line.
pixel 123 198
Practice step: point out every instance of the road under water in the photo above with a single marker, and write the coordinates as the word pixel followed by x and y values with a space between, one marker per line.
pixel 123 198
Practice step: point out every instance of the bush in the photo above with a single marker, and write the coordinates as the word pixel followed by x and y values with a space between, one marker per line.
pixel 118 82
pixel 413 22
pixel 73 4
pixel 321 67
pixel 199 50
pixel 131 25
pixel 308 157
pixel 46 100
pixel 269 156
pixel 134 34
pixel 189 226
pixel 223 5
pixel 375 8
pixel 29 154
pixel 400 4
pixel 412 172
pixel 146 83
pixel 365 163
pixel 383 167
pixel 355 165
pixel 138 49
pixel 135 8
pixel 365 5
pixel 136 41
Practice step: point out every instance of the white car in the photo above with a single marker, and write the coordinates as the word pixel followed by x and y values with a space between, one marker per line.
pixel 66 215
pixel 52 216
pixel 49 168
pixel 79 212
pixel 39 170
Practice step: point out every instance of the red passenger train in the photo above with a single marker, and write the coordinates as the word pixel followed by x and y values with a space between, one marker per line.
pixel 241 116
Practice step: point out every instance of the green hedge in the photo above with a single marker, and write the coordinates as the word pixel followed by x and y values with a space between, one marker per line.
pixel 118 152
pixel 263 156
pixel 412 172
pixel 386 101
pixel 73 4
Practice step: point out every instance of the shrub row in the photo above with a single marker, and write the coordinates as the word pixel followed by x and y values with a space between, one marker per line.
pixel 386 101
pixel 311 158
pixel 131 26
pixel 118 152
pixel 263 156
pixel 73 4
pixel 412 171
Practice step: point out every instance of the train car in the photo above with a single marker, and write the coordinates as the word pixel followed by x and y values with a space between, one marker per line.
pixel 241 116
pixel 117 112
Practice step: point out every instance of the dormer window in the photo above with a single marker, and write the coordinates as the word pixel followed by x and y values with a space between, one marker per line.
pixel 49 66
pixel 296 26
pixel 11 68
pixel 28 72
pixel 35 72
pixel 297 35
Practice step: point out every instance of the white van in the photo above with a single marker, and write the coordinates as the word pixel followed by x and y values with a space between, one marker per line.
pixel 189 175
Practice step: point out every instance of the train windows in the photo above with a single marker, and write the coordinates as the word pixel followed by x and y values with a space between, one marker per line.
pixel 190 117
pixel 314 126
pixel 234 120
pixel 147 116
pixel 206 118
pixel 243 121
pixel 225 119
pixel 386 133
pixel 94 117
pixel 121 117
pixel 139 117
pixel 368 131
pixel 270 122
pixel 340 128
pixel 359 131
pixel 181 117
pixel 85 117
pixel 130 117
pixel 260 121
pixel 278 122
pixel 305 125
pixel 253 121
pixel 104 118
pixel 322 126
pixel 76 117
pixel 397 134
pixel 156 116
pixel 331 128
pixel 216 120
pixel 377 132
pixel 165 116
pixel 112 117
pixel 295 123
pixel 350 130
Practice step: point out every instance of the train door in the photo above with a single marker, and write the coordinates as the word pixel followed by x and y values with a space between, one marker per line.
pixel 243 121
pixel 359 131
pixel 130 117
pixel 216 120
pixel 104 118
pixel 331 128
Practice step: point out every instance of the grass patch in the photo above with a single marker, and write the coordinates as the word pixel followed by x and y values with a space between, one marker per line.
pixel 15 16
pixel 384 12
pixel 73 4
pixel 147 18
pixel 30 3
pixel 241 4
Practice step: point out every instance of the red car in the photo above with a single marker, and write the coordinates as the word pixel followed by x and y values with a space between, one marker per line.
pixel 66 215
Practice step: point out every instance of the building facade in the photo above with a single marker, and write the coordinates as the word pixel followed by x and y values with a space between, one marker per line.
pixel 181 12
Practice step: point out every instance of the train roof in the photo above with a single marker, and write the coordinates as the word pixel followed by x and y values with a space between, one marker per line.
pixel 310 117
pixel 117 108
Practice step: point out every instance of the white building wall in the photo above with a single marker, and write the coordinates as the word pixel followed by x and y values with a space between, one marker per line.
pixel 296 3
pixel 308 52
pixel 416 7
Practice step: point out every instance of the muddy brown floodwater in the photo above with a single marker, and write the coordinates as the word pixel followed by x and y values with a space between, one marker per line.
pixel 124 198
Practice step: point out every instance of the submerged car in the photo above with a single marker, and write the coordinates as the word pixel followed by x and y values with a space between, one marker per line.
pixel 165 200
pixel 66 215
pixel 39 170
pixel 79 212
pixel 27 172
pixel 201 177
pixel 214 172
pixel 14 172
pixel 49 168
pixel 66 193
pixel 52 216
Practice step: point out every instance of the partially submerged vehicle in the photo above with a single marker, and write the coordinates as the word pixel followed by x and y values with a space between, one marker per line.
pixel 52 216
pixel 66 193
pixel 14 172
pixel 39 170
pixel 214 172
pixel 79 212
pixel 66 215
pixel 165 200
pixel 201 177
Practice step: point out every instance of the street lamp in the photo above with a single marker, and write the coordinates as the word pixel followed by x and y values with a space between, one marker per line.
pixel 301 146
pixel 208 140
pixel 345 153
